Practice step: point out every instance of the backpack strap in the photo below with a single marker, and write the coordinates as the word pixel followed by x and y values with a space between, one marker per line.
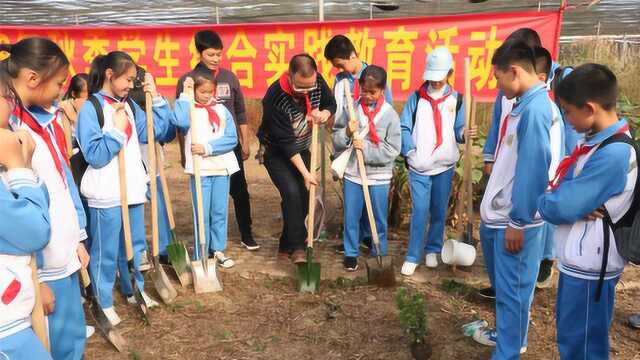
pixel 98 107
pixel 607 222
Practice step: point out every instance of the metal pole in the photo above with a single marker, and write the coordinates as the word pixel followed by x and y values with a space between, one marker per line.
pixel 217 15
pixel 321 10
pixel 370 11
pixel 539 5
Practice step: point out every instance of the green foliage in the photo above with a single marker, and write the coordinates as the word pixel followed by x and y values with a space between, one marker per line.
pixel 412 313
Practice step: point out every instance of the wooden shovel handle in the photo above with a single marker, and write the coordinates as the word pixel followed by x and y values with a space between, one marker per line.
pixel 469 119
pixel 165 188
pixel 363 173
pixel 124 204
pixel 38 322
pixel 66 128
pixel 312 189
pixel 151 152
pixel 200 239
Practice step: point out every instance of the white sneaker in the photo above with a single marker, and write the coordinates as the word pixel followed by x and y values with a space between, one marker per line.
pixel 144 261
pixel 408 268
pixel 114 319
pixel 90 331
pixel 486 336
pixel 146 298
pixel 223 261
pixel 431 261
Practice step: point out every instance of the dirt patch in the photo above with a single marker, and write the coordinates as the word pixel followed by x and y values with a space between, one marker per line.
pixel 259 315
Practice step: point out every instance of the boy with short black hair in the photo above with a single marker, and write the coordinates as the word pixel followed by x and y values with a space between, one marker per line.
pixel 520 175
pixel 228 92
pixel 598 178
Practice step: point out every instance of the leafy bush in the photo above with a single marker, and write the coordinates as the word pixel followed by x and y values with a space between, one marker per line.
pixel 412 313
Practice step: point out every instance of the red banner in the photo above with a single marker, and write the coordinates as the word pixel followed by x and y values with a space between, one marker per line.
pixel 259 53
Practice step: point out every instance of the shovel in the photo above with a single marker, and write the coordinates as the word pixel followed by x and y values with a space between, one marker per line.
pixel 160 280
pixel 204 269
pixel 124 204
pixel 38 321
pixel 469 115
pixel 102 322
pixel 380 270
pixel 177 251
pixel 309 272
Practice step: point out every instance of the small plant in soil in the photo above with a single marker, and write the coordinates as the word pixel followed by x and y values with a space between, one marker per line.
pixel 413 319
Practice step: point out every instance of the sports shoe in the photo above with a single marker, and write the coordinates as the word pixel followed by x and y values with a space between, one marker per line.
pixel 113 317
pixel 634 321
pixel 250 244
pixel 431 261
pixel 545 274
pixel 146 298
pixel 90 330
pixel 144 261
pixel 350 263
pixel 487 293
pixel 223 261
pixel 486 336
pixel 470 328
pixel 164 260
pixel 408 268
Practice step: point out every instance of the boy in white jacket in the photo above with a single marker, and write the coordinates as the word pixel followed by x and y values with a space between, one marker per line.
pixel 212 135
pixel 597 178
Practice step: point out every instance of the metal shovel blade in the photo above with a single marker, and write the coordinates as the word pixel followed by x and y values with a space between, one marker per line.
pixel 179 259
pixel 137 293
pixel 381 271
pixel 204 277
pixel 163 285
pixel 309 274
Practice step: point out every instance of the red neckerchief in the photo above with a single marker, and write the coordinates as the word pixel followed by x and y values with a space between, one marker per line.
pixel 437 116
pixel 567 162
pixel 356 90
pixel 128 130
pixel 373 134
pixel 214 119
pixel 28 119
pixel 286 87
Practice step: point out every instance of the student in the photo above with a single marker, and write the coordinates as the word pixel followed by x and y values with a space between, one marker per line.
pixel 38 69
pixel 520 175
pixel 215 132
pixel 432 126
pixel 594 177
pixel 74 97
pixel 24 229
pixel 501 110
pixel 125 126
pixel 343 56
pixel 229 93
pixel 380 147
pixel 300 96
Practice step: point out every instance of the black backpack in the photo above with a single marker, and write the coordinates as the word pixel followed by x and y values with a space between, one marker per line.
pixel 627 230
pixel 415 111
pixel 78 163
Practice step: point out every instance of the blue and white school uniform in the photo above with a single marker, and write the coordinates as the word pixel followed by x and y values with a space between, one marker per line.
pixel 24 229
pixel 608 177
pixel 528 150
pixel 101 187
pixel 216 166
pixel 60 265
pixel 431 167
pixel 341 98
pixel 379 159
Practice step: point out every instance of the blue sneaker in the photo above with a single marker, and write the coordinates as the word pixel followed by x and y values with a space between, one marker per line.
pixel 489 337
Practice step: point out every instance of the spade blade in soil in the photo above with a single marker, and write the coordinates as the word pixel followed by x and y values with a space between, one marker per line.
pixel 179 259
pixel 204 276
pixel 309 274
pixel 381 271
pixel 137 293
pixel 161 281
pixel 102 322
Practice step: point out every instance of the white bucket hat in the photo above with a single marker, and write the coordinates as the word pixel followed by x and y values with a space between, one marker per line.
pixel 438 64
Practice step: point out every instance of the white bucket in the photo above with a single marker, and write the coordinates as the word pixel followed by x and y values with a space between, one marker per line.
pixel 458 253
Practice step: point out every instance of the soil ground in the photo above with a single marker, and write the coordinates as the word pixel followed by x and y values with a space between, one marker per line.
pixel 259 315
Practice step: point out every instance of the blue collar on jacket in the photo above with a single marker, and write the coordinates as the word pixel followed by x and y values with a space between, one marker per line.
pixel 603 135
pixel 527 97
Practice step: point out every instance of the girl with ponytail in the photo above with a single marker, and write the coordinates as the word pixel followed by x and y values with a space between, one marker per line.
pixel 108 123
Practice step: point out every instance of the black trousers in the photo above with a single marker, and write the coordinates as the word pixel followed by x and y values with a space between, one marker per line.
pixel 295 198
pixel 240 194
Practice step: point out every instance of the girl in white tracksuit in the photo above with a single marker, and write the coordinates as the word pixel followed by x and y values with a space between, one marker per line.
pixel 212 135
pixel 124 128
